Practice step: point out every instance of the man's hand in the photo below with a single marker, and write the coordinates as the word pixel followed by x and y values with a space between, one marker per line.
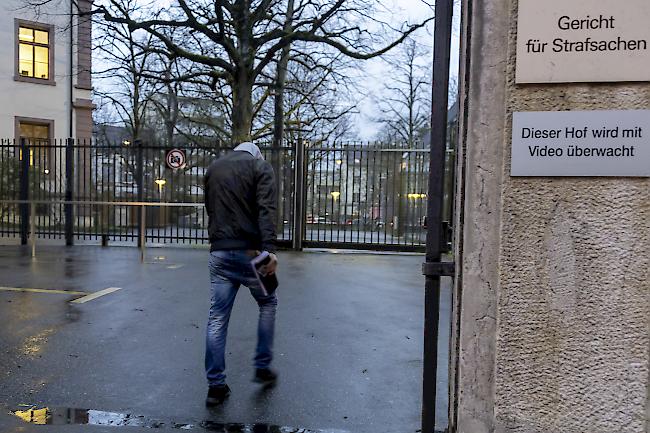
pixel 272 266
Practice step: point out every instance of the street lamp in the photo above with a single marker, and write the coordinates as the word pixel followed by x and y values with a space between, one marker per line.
pixel 335 196
pixel 161 183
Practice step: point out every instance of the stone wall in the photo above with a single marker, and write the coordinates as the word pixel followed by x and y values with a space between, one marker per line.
pixel 553 291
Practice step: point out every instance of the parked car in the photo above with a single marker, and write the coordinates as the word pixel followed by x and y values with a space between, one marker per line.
pixel 315 219
pixel 354 221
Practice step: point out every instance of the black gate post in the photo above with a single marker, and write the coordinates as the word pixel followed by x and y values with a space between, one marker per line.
pixel 139 176
pixel 69 192
pixel 299 198
pixel 433 269
pixel 24 191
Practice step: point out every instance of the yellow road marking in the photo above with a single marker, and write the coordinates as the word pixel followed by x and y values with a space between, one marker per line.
pixel 34 416
pixel 52 291
pixel 90 297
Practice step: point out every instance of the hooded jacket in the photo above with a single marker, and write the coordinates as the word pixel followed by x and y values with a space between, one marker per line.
pixel 240 200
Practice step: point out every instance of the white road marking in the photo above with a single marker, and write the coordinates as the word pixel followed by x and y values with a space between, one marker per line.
pixel 95 295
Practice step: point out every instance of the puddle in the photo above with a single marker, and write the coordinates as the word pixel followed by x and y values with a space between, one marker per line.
pixel 69 416
pixel 32 346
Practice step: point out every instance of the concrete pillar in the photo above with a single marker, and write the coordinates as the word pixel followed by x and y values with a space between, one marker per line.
pixel 552 297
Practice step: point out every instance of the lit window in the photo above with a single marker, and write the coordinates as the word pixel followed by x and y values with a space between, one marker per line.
pixel 34 131
pixel 37 136
pixel 34 53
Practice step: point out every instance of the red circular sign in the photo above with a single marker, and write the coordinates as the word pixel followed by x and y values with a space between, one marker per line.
pixel 176 159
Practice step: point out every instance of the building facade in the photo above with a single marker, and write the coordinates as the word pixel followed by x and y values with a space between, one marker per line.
pixel 45 70
pixel 552 300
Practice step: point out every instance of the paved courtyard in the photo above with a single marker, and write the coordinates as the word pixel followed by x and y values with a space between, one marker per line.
pixel 348 345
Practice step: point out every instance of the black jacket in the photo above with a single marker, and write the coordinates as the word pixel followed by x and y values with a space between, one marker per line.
pixel 241 203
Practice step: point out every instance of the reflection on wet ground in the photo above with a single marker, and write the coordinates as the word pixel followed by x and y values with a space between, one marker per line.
pixel 70 416
pixel 357 315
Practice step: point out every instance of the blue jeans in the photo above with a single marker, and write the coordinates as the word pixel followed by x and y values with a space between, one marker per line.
pixel 229 269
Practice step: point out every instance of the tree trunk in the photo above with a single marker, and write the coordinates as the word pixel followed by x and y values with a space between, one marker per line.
pixel 172 109
pixel 281 78
pixel 278 117
pixel 242 107
pixel 244 77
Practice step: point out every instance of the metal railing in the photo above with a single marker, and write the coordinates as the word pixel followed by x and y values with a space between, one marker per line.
pixel 359 195
pixel 54 171
pixel 142 234
pixel 366 196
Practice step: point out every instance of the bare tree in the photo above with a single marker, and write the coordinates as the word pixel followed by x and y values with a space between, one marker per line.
pixel 405 100
pixel 319 102
pixel 127 86
pixel 235 42
pixel 165 99
pixel 315 99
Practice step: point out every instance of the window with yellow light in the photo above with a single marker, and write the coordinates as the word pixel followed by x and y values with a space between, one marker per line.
pixel 37 136
pixel 34 53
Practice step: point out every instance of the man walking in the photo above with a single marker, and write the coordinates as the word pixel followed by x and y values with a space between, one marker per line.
pixel 240 200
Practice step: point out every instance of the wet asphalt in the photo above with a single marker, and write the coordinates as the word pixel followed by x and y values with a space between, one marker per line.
pixel 348 342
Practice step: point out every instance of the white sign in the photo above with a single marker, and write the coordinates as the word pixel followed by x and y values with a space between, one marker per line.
pixel 562 41
pixel 581 143
pixel 176 159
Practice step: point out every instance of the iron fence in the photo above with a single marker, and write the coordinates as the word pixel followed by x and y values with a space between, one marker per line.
pixel 366 195
pixel 371 196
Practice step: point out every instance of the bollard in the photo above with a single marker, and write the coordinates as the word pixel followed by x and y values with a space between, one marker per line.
pixel 32 227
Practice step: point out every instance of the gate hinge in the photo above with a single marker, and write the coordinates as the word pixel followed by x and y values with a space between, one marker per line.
pixel 439 269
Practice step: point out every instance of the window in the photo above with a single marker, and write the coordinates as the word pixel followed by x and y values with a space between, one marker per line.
pixel 35 60
pixel 37 134
pixel 34 131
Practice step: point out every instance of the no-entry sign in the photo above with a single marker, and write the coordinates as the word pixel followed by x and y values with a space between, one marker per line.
pixel 176 159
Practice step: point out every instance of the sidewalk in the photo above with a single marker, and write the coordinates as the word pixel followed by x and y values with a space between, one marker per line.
pixel 348 345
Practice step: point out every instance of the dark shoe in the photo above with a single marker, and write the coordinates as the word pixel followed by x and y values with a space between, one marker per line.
pixel 217 395
pixel 265 376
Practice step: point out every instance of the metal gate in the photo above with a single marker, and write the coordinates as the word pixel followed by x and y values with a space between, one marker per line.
pixel 365 196
pixel 348 195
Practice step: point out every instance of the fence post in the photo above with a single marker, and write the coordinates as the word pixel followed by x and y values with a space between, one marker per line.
pixel 69 192
pixel 24 191
pixel 32 228
pixel 299 197
pixel 142 239
pixel 140 181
